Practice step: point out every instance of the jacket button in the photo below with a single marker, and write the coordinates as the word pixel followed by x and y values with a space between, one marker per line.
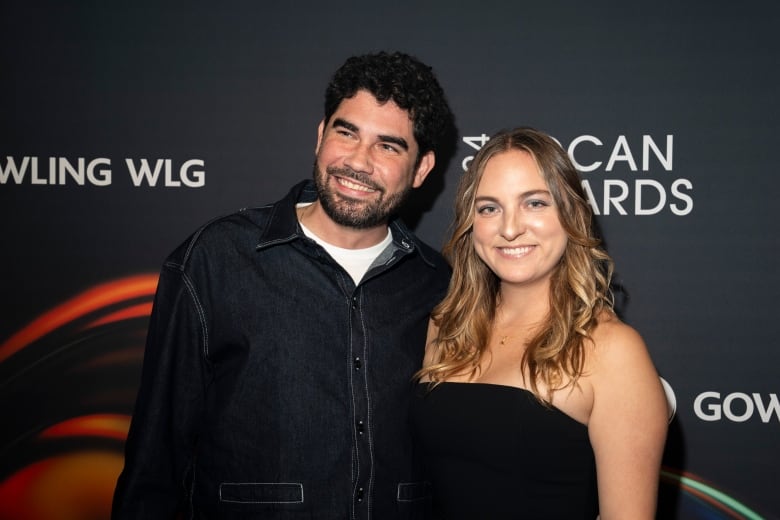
pixel 360 427
pixel 357 363
pixel 359 495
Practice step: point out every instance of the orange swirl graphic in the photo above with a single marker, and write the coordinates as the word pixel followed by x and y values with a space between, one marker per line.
pixel 70 457
pixel 93 299
pixel 104 425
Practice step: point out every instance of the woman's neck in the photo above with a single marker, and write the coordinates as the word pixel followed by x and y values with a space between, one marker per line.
pixel 522 306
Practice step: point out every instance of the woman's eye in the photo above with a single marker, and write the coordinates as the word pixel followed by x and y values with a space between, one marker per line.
pixel 486 210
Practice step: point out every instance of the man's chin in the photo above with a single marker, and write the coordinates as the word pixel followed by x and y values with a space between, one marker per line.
pixel 350 213
pixel 354 201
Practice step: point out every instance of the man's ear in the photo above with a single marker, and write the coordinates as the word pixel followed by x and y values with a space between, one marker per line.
pixel 427 161
pixel 320 130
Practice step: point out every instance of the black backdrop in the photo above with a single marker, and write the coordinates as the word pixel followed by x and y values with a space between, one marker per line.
pixel 671 110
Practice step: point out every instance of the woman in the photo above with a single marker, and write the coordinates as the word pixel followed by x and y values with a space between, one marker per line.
pixel 537 401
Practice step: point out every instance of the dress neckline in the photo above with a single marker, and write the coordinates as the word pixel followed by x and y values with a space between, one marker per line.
pixel 509 388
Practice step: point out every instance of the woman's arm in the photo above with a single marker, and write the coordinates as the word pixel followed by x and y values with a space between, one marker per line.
pixel 628 423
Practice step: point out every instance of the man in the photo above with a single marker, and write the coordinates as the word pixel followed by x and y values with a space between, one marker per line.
pixel 283 340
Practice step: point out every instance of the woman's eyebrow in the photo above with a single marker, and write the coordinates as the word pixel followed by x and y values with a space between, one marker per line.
pixel 523 195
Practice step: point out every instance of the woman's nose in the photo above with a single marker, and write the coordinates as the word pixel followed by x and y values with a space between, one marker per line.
pixel 512 225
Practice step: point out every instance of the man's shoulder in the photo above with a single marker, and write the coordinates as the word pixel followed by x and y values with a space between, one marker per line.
pixel 244 229
pixel 224 235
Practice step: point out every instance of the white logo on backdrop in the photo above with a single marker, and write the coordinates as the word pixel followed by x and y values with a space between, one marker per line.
pixel 671 399
pixel 59 171
pixel 736 406
pixel 623 177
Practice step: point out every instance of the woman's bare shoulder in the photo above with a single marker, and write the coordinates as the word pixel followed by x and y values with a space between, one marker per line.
pixel 612 336
pixel 619 355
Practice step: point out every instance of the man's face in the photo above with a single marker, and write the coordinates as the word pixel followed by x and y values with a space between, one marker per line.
pixel 365 165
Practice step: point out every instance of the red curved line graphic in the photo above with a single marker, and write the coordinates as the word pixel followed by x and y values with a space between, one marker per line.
pixel 78 306
pixel 716 504
pixel 135 311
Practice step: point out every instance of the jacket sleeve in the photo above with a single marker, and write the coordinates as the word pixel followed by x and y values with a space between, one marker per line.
pixel 163 430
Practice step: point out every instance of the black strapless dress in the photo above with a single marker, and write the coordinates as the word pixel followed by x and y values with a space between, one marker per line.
pixel 494 452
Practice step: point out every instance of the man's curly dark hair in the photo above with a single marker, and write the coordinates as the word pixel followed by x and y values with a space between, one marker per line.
pixel 406 81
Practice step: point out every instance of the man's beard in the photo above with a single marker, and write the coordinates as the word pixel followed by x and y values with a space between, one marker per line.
pixel 356 214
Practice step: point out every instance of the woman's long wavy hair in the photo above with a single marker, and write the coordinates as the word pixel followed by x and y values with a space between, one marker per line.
pixel 579 287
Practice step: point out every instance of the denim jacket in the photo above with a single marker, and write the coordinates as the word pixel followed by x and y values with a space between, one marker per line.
pixel 272 386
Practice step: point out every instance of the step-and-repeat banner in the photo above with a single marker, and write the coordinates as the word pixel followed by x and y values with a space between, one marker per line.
pixel 123 128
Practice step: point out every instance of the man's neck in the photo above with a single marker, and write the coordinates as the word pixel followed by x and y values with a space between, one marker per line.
pixel 315 218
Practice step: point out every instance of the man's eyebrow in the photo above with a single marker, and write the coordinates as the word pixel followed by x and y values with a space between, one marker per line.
pixel 399 141
pixel 345 124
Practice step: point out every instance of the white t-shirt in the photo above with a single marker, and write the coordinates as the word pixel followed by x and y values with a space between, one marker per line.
pixel 354 261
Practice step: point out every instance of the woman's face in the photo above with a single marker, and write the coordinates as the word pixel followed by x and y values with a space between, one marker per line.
pixel 516 230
